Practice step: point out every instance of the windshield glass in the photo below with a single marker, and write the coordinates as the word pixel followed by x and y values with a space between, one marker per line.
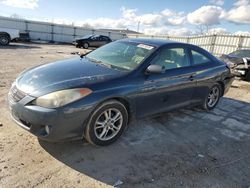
pixel 241 53
pixel 122 55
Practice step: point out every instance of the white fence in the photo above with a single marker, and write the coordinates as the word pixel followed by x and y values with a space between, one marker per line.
pixel 53 32
pixel 216 44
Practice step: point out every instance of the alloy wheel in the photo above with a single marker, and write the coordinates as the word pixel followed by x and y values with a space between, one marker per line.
pixel 3 40
pixel 85 45
pixel 213 97
pixel 108 124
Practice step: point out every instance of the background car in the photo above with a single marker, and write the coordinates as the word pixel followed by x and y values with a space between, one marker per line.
pixel 91 41
pixel 239 62
pixel 7 35
pixel 97 95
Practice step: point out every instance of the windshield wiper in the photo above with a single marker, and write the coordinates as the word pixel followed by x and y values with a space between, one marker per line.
pixel 105 64
pixel 98 61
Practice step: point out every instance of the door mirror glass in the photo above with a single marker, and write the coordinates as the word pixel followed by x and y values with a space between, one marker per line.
pixel 154 69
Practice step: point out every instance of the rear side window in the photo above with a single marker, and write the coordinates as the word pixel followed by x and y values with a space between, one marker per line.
pixel 104 38
pixel 199 58
pixel 171 58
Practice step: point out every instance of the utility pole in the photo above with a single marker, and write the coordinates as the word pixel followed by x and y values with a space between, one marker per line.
pixel 138 26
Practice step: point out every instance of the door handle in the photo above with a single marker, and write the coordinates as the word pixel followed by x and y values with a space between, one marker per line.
pixel 191 77
pixel 148 88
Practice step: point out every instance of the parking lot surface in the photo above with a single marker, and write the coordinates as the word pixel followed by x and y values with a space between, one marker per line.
pixel 184 148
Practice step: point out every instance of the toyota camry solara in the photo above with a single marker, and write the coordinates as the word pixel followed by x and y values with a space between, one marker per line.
pixel 94 96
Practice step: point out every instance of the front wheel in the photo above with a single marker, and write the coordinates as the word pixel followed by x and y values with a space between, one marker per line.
pixel 107 123
pixel 4 40
pixel 212 97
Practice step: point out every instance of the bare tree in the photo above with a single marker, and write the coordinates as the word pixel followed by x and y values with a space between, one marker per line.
pixel 16 16
pixel 202 29
pixel 86 25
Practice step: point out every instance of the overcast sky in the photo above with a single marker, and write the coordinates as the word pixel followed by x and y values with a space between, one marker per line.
pixel 174 17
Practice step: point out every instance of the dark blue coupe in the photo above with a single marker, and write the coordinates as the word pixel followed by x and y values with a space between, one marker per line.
pixel 96 95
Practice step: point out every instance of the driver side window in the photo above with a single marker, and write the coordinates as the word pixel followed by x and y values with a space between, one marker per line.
pixel 95 38
pixel 172 58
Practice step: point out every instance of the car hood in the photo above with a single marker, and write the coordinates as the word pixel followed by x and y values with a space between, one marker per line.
pixel 232 59
pixel 70 73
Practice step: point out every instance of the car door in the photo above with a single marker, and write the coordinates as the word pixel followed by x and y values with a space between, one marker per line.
pixel 94 41
pixel 98 41
pixel 103 40
pixel 206 74
pixel 170 89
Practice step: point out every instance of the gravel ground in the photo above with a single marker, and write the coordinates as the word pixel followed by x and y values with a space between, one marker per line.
pixel 185 148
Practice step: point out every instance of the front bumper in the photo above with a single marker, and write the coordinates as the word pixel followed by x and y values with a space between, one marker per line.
pixel 75 43
pixel 242 69
pixel 64 123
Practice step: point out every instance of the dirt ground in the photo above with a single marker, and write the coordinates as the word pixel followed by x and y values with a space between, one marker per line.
pixel 185 148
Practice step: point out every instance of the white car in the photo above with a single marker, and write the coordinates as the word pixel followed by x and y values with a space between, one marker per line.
pixel 7 35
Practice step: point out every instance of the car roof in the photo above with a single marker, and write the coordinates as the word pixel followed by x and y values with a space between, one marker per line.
pixel 152 42
pixel 100 35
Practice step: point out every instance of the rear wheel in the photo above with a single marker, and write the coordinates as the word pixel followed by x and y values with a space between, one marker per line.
pixel 4 40
pixel 212 97
pixel 107 123
pixel 85 45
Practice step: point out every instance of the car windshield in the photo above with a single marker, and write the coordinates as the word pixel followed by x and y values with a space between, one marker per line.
pixel 241 53
pixel 121 55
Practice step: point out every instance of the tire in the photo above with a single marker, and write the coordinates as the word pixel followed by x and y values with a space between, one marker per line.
pixel 247 78
pixel 85 45
pixel 102 129
pixel 212 97
pixel 4 40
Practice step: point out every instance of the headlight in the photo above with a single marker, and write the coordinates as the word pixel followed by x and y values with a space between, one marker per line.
pixel 230 64
pixel 61 98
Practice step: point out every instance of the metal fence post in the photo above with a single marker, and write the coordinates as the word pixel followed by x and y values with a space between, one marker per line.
pixel 74 33
pixel 26 26
pixel 212 43
pixel 239 45
pixel 52 33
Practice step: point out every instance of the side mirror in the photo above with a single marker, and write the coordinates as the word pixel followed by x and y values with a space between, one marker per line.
pixel 154 69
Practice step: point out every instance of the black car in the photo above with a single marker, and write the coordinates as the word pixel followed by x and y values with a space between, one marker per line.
pixel 239 62
pixel 91 41
pixel 97 95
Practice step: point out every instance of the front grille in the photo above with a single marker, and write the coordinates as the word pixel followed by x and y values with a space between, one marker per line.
pixel 16 94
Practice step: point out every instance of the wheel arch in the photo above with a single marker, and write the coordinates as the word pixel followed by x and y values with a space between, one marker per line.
pixel 5 33
pixel 125 102
pixel 222 85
